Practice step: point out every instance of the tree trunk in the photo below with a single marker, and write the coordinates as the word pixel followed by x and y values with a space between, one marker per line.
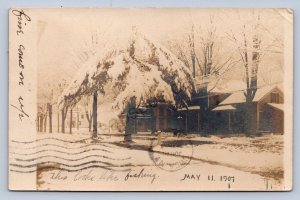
pixel 41 123
pixel 130 120
pixel 45 121
pixel 50 117
pixel 63 120
pixel 38 124
pixel 129 128
pixel 94 115
pixel 193 54
pixel 249 121
pixel 203 103
pixel 71 120
pixel 250 108
pixel 250 113
pixel 90 125
pixel 58 121
pixel 89 120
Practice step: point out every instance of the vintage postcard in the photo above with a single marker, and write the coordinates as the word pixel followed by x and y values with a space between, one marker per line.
pixel 150 99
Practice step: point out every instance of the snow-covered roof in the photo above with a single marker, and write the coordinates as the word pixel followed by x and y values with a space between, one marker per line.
pixel 239 97
pixel 226 86
pixel 224 107
pixel 278 106
pixel 280 86
pixel 190 108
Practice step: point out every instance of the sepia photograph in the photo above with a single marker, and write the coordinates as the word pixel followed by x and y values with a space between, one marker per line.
pixel 150 99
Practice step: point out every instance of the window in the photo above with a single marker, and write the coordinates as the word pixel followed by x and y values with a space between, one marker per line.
pixel 274 97
pixel 82 116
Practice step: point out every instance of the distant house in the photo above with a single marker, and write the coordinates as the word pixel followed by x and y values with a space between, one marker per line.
pixel 78 118
pixel 268 106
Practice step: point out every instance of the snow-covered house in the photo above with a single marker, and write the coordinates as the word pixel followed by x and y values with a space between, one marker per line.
pixel 267 107
pixel 225 112
pixel 217 91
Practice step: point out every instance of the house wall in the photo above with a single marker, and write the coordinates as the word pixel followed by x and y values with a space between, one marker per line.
pixel 253 116
pixel 270 119
pixel 277 121
pixel 267 99
pixel 189 121
pixel 160 119
pixel 219 121
pixel 78 119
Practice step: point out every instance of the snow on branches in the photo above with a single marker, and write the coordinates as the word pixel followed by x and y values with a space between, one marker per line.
pixel 132 66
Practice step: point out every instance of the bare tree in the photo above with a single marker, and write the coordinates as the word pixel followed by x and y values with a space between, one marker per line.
pixel 202 54
pixel 42 113
pixel 45 111
pixel 87 52
pixel 95 108
pixel 49 110
pixel 252 45
pixel 49 107
pixel 64 112
pixel 71 120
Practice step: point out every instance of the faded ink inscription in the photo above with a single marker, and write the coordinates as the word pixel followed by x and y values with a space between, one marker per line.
pixel 22 19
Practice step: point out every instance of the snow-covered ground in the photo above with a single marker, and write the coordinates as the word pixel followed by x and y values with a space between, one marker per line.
pixel 259 155
pixel 236 163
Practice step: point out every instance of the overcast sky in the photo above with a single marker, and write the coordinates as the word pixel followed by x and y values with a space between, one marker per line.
pixel 65 33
